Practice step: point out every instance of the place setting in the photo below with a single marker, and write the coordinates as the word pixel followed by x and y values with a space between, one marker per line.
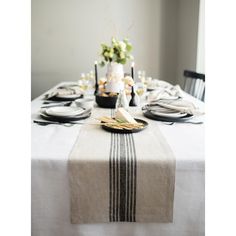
pixel 177 110
pixel 64 93
pixel 65 113
pixel 122 122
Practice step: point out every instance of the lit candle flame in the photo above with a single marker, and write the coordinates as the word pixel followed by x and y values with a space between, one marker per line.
pixel 132 64
pixel 95 62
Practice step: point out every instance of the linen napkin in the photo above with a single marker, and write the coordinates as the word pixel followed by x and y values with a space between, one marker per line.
pixel 177 105
pixel 170 92
pixel 64 90
pixel 121 177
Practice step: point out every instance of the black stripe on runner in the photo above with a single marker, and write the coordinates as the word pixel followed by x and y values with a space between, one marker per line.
pixel 111 177
pixel 134 179
pixel 131 179
pixel 114 178
pixel 117 177
pixel 110 180
pixel 127 179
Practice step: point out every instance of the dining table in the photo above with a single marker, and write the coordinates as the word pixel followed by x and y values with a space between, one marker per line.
pixel 51 146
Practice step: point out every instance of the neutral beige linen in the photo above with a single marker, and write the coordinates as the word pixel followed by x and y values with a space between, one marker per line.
pixel 64 90
pixel 121 177
pixel 181 105
pixel 170 93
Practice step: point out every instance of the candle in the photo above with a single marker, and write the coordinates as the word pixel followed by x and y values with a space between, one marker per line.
pixel 132 70
pixel 132 102
pixel 96 77
pixel 96 71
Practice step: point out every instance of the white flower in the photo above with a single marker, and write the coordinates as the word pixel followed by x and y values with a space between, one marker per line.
pixel 122 45
pixel 113 40
pixel 106 54
pixel 102 81
pixel 122 55
pixel 129 80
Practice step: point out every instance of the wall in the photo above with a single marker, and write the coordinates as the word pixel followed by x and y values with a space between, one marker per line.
pixel 188 12
pixel 66 37
pixel 201 39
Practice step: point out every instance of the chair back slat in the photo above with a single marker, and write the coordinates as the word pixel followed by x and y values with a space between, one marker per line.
pixel 195 84
pixel 197 88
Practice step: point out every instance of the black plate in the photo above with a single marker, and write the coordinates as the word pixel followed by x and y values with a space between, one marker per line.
pixel 63 99
pixel 150 115
pixel 64 119
pixel 124 131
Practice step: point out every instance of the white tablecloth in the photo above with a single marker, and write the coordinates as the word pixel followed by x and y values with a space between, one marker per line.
pixel 51 146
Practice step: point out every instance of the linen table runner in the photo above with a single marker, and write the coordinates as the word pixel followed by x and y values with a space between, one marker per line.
pixel 121 177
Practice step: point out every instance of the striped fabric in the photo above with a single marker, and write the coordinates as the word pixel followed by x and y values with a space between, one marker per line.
pixel 121 177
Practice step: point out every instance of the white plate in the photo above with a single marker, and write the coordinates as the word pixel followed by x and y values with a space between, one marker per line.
pixel 64 111
pixel 69 96
pixel 162 110
pixel 86 103
pixel 175 114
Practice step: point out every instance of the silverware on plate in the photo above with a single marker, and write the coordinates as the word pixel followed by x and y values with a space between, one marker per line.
pixel 57 104
pixel 67 124
pixel 187 122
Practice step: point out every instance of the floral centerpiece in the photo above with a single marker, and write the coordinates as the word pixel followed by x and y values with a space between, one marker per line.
pixel 118 52
pixel 115 56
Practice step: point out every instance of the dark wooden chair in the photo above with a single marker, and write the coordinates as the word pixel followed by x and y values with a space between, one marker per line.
pixel 194 84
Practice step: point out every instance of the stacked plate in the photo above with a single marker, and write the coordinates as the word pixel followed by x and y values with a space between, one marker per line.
pixel 157 112
pixel 64 114
pixel 67 97
pixel 65 93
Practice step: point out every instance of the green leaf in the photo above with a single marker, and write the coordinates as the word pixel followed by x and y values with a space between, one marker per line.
pixel 104 46
pixel 102 63
pixel 129 47
pixel 123 61
pixel 131 57
pixel 115 57
pixel 126 40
